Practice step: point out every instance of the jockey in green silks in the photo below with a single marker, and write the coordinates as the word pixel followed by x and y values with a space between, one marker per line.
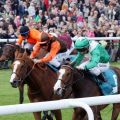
pixel 99 58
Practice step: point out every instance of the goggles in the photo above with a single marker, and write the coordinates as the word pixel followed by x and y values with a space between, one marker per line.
pixel 82 49
pixel 44 43
pixel 24 34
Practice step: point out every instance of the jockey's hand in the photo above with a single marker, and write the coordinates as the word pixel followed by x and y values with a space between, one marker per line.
pixel 80 67
pixel 36 61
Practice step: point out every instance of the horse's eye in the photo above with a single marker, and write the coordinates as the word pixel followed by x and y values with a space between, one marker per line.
pixel 67 74
pixel 22 66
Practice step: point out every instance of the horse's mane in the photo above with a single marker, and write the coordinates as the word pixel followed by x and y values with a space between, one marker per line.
pixel 84 73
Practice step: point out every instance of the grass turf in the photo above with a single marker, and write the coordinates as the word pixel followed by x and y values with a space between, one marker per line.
pixel 9 96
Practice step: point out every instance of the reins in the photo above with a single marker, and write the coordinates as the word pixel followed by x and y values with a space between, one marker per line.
pixel 22 80
pixel 21 87
pixel 74 71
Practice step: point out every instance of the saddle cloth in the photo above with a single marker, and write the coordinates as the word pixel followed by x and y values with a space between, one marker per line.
pixel 55 69
pixel 71 58
pixel 111 85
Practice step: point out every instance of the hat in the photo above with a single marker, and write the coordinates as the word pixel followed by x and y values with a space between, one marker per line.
pixel 79 44
pixel 44 38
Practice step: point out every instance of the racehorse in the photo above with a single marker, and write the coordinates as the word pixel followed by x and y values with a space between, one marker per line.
pixel 39 78
pixel 8 52
pixel 83 85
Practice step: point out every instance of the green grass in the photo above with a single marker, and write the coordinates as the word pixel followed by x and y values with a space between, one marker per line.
pixel 9 96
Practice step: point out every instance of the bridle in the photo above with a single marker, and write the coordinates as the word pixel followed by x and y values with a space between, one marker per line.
pixel 21 80
pixel 74 71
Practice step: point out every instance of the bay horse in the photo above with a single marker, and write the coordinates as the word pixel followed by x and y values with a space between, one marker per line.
pixel 39 78
pixel 9 49
pixel 83 85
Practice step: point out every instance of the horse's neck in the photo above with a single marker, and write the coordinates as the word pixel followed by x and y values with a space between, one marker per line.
pixel 85 85
pixel 42 81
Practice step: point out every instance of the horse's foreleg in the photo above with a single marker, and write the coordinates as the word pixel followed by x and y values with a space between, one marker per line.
pixel 115 111
pixel 78 114
pixel 37 115
pixel 57 114
pixel 96 111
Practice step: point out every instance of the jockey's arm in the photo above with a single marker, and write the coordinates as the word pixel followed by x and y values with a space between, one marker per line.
pixel 77 59
pixel 36 50
pixel 95 58
pixel 19 41
pixel 55 47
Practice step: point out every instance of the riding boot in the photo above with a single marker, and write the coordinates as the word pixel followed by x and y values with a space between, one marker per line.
pixel 101 77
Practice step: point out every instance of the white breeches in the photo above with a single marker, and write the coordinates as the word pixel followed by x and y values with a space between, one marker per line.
pixel 101 67
pixel 58 59
pixel 28 46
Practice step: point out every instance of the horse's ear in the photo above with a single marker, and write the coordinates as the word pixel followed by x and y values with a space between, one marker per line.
pixel 16 53
pixel 28 52
pixel 17 47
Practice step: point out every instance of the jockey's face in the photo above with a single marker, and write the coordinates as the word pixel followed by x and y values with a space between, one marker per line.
pixel 83 50
pixel 45 46
pixel 25 36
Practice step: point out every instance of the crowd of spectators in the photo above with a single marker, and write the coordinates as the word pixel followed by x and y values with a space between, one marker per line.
pixel 91 18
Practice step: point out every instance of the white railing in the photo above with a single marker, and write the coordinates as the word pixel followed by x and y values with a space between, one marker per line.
pixel 44 106
pixel 61 104
pixel 91 38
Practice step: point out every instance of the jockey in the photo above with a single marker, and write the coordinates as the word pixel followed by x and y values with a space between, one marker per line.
pixel 52 45
pixel 31 36
pixel 99 57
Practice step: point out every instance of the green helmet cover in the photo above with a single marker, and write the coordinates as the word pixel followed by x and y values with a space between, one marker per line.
pixel 79 44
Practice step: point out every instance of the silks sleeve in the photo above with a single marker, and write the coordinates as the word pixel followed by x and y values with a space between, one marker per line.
pixel 19 41
pixel 95 58
pixel 55 47
pixel 36 50
pixel 78 59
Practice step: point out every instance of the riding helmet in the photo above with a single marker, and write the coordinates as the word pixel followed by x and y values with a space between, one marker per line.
pixel 83 43
pixel 44 38
pixel 24 30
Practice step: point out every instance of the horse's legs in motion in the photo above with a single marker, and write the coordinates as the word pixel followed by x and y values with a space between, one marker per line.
pixel 37 115
pixel 47 116
pixel 98 116
pixel 57 114
pixel 78 114
pixel 115 111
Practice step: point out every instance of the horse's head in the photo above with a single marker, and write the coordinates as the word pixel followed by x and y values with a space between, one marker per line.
pixel 68 76
pixel 21 69
pixel 8 52
pixel 65 76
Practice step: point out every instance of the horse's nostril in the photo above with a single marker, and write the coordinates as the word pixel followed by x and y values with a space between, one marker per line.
pixel 14 84
pixel 59 91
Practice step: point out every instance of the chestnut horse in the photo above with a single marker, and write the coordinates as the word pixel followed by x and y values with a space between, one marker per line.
pixel 39 78
pixel 83 85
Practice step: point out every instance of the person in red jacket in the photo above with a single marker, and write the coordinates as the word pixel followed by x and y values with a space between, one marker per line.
pixel 30 37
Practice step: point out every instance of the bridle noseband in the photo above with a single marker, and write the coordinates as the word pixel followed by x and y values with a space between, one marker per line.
pixel 74 71
pixel 21 80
